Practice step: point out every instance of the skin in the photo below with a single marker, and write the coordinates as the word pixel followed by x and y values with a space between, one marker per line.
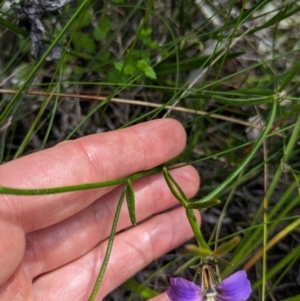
pixel 52 246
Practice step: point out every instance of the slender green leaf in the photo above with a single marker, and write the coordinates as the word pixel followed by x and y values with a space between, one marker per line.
pixel 108 249
pixel 290 75
pixel 196 205
pixel 130 198
pixel 171 183
pixel 226 247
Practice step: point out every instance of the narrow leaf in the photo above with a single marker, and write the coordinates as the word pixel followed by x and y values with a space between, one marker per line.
pixel 171 183
pixel 291 74
pixel 226 247
pixel 130 198
pixel 198 251
pixel 204 205
pixel 108 249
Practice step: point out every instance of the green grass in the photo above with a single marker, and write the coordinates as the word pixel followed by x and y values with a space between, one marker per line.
pixel 212 67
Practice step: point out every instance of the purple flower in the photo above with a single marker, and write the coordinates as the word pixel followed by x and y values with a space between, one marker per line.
pixel 234 288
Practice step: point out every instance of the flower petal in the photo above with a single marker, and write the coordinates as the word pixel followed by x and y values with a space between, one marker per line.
pixel 184 290
pixel 236 287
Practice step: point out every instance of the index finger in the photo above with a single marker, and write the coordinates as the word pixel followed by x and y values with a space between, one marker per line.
pixel 94 158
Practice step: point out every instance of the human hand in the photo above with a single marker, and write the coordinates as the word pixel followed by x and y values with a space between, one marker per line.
pixel 52 246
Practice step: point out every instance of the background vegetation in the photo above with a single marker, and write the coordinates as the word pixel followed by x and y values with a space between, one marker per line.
pixel 220 68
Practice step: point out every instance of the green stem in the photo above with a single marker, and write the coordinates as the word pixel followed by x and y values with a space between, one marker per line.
pixel 256 146
pixel 87 186
pixel 196 229
pixel 108 249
